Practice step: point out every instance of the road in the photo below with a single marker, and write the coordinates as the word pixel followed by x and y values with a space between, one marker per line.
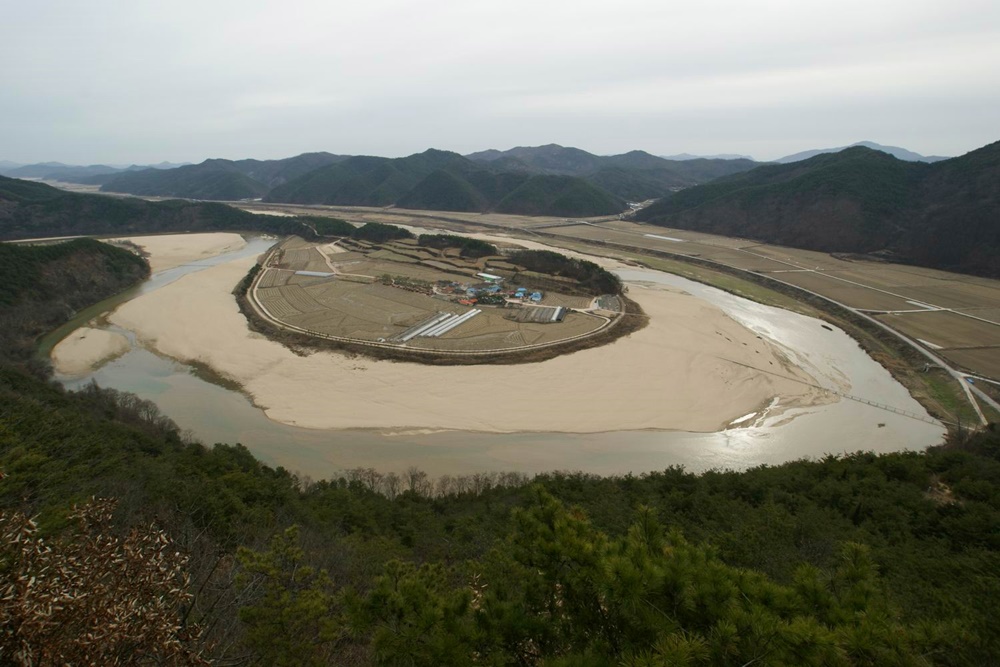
pixel 541 230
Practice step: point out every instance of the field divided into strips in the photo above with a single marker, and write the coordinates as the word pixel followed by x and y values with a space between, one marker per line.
pixel 991 314
pixel 299 298
pixel 567 300
pixel 274 278
pixel 945 329
pixel 981 361
pixel 851 295
pixel 272 299
pixel 373 311
pixel 953 294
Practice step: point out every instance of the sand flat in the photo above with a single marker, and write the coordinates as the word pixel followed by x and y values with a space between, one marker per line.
pixel 170 250
pixel 693 368
pixel 86 349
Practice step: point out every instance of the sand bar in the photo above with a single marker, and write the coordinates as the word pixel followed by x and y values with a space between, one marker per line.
pixel 86 349
pixel 168 251
pixel 693 368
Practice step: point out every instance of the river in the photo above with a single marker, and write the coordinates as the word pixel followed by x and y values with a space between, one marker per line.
pixel 213 413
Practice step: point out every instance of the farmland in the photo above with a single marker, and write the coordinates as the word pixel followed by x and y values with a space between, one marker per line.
pixel 399 294
pixel 869 286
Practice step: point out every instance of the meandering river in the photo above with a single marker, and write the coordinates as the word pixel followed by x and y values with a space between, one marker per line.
pixel 214 413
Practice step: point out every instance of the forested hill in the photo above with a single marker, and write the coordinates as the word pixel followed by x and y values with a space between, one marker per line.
pixel 35 210
pixel 856 560
pixel 543 180
pixel 439 180
pixel 944 215
pixel 852 560
pixel 42 286
pixel 636 175
pixel 226 180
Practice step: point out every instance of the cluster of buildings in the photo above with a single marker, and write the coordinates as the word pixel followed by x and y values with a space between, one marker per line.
pixel 490 291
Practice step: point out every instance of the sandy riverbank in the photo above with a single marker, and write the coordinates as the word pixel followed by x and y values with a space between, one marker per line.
pixel 168 251
pixel 86 349
pixel 691 369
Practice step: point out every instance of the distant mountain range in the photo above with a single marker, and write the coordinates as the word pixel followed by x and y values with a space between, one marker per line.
pixel 635 176
pixel 543 180
pixel 68 173
pixel 895 151
pixel 721 156
pixel 441 180
pixel 944 214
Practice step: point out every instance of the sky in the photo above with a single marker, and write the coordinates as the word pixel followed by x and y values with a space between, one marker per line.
pixel 137 81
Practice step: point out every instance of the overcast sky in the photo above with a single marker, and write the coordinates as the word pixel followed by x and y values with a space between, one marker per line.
pixel 135 81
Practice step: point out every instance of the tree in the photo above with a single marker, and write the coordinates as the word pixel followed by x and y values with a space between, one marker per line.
pixel 92 597
pixel 294 620
pixel 560 592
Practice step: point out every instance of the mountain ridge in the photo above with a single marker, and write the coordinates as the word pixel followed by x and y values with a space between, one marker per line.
pixel 942 214
pixel 896 151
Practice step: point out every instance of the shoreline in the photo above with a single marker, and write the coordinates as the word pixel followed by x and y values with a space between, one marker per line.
pixel 86 349
pixel 404 396
pixel 167 251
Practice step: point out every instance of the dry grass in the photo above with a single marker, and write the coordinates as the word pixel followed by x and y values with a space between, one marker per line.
pixel 945 329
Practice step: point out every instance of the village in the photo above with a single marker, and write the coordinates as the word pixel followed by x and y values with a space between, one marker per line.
pixel 398 294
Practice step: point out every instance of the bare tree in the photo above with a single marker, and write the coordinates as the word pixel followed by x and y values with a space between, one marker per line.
pixel 93 598
pixel 416 481
pixel 391 485
pixel 445 486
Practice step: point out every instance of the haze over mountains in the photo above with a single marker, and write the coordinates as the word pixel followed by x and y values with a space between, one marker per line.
pixel 87 174
pixel 544 180
pixel 895 151
pixel 918 209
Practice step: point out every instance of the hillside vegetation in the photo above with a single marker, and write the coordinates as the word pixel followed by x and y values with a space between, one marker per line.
pixel 443 181
pixel 43 286
pixel 35 210
pixel 543 180
pixel 944 215
pixel 210 555
pixel 589 278
pixel 853 560
pixel 226 180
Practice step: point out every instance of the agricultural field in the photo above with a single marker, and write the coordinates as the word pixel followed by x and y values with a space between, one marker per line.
pixel 945 329
pixel 856 282
pixel 398 294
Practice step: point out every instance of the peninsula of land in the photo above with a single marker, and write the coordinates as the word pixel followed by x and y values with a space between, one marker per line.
pixel 672 375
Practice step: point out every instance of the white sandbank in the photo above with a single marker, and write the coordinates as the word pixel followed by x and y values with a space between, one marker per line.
pixel 168 251
pixel 692 368
pixel 85 349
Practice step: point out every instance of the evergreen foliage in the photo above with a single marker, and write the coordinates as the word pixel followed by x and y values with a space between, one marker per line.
pixel 41 286
pixel 942 215
pixel 590 277
pixel 859 559
pixel 928 523
pixel 376 232
pixel 329 226
pixel 439 180
pixel 36 210
pixel 472 248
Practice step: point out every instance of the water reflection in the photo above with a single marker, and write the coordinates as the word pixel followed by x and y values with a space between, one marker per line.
pixel 215 414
